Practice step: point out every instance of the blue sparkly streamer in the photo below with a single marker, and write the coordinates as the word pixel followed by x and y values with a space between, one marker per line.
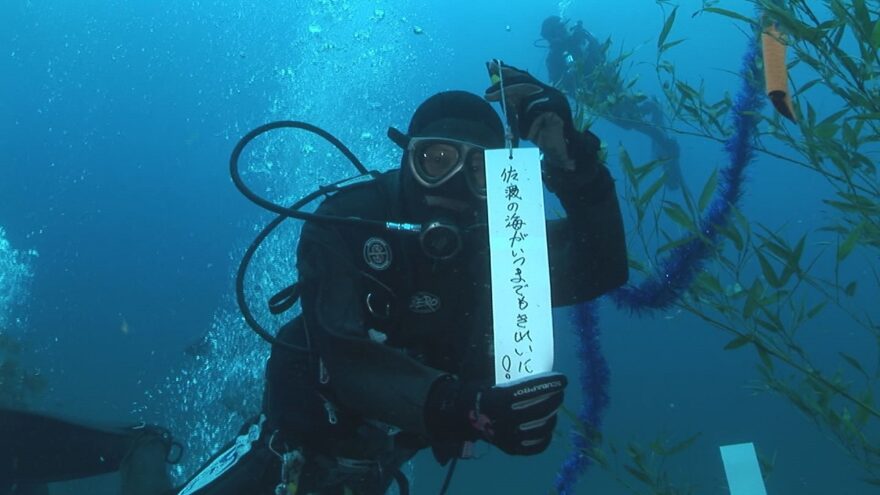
pixel 677 271
pixel 594 386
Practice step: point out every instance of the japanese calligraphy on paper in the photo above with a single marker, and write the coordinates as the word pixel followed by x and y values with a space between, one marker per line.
pixel 521 310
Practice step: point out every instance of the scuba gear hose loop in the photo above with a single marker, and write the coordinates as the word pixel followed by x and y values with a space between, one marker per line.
pixel 283 213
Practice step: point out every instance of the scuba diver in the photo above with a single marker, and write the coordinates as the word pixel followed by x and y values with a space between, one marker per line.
pixel 566 47
pixel 393 350
pixel 576 64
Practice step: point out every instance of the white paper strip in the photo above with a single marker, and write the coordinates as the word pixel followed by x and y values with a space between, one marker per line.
pixel 521 310
pixel 742 469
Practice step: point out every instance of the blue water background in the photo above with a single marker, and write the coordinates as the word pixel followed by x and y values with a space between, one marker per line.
pixel 118 120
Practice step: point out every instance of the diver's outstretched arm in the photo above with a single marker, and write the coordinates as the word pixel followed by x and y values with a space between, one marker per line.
pixel 37 449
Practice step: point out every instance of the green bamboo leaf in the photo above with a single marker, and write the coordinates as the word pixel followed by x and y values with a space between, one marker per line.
pixel 863 414
pixel 709 282
pixel 774 297
pixel 597 456
pixel 804 87
pixel 729 13
pixel 775 324
pixel 826 131
pixel 669 45
pixel 850 135
pixel 875 36
pixel 849 243
pixel 738 342
pixel 857 126
pixel 835 29
pixel 842 206
pixel 677 214
pixel 811 116
pixel 647 168
pixel 753 298
pixel 640 215
pixel 743 222
pixel 850 289
pixel 767 325
pixel 816 309
pixel 867 116
pixel 864 161
pixel 627 165
pixel 829 127
pixel 786 274
pixel 652 191
pixel 731 232
pixel 633 450
pixel 874 450
pixel 687 91
pixel 681 446
pixel 838 9
pixel 834 117
pixel 689 203
pixel 750 306
pixel 861 17
pixel 637 266
pixel 854 363
pixel 765 357
pixel 708 190
pixel 674 244
pixel 861 200
pixel 854 206
pixel 667 27
pixel 798 29
pixel 639 475
pixel 768 271
pixel 793 262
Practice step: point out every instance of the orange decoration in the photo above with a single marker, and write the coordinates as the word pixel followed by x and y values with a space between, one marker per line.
pixel 776 72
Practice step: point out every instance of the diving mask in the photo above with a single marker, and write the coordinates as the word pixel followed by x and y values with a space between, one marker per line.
pixel 434 161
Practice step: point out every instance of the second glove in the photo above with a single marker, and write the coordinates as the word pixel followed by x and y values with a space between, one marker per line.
pixel 518 418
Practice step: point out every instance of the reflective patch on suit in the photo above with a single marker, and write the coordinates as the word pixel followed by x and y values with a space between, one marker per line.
pixel 424 303
pixel 224 462
pixel 377 253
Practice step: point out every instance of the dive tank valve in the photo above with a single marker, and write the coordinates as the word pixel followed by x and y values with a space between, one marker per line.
pixel 439 239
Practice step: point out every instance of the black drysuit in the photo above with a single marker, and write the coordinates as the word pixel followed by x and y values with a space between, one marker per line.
pixel 384 322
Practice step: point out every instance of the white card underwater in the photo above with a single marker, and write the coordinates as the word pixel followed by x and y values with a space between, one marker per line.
pixel 521 310
pixel 742 469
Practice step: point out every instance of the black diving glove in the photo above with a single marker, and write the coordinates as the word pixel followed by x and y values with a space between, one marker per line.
pixel 541 114
pixel 518 418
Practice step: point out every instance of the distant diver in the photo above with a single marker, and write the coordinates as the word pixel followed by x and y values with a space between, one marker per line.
pixel 576 63
pixel 392 353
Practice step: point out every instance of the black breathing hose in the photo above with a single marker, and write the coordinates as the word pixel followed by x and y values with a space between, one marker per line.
pixel 283 213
